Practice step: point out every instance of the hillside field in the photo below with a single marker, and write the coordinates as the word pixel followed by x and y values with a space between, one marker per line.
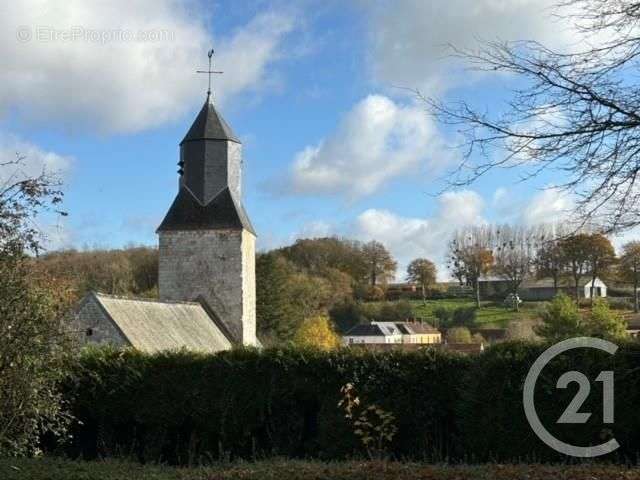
pixel 491 314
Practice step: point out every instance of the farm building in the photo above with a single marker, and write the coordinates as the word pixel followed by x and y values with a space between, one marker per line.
pixel 542 289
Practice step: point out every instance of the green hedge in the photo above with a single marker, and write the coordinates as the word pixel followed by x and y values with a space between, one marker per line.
pixel 183 408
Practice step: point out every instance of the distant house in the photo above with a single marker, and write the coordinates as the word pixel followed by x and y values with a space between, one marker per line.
pixel 380 333
pixel 150 326
pixel 542 288
pixel 395 291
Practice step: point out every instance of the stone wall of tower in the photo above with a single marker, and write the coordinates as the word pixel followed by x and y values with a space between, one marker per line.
pixel 218 265
pixel 234 174
pixel 249 287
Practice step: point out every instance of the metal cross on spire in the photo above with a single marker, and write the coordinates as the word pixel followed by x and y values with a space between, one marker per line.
pixel 209 71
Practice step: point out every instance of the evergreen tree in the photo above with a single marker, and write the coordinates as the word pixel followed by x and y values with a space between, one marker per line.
pixel 274 319
pixel 605 323
pixel 560 320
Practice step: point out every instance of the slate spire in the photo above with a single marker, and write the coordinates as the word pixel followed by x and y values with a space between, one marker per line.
pixel 209 125
pixel 209 195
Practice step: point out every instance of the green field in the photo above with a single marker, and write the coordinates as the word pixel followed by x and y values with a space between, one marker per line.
pixel 489 315
pixel 53 469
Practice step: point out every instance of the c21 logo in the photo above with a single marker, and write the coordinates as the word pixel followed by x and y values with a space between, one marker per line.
pixel 571 413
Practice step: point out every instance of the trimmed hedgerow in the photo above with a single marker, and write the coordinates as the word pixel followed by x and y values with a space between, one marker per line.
pixel 184 408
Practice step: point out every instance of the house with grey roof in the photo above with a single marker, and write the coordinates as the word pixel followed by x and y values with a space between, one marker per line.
pixel 206 276
pixel 541 289
pixel 389 333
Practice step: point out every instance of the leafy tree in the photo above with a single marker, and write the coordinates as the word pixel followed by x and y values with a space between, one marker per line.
pixel 423 272
pixel 33 357
pixel 550 261
pixel 400 311
pixel 33 345
pixel 129 271
pixel 459 335
pixel 274 319
pixel 574 110
pixel 373 293
pixel 560 320
pixel 601 257
pixel 317 332
pixel 312 295
pixel 346 315
pixel 514 254
pixel 380 263
pixel 576 251
pixel 471 257
pixel 603 322
pixel 464 317
pixel 319 255
pixel 630 268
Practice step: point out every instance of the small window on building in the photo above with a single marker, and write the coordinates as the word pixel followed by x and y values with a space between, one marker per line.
pixel 89 332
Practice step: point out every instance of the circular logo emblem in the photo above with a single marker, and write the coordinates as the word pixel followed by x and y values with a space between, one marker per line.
pixel 571 415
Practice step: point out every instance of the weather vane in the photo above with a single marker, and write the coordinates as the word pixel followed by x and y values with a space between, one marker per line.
pixel 209 72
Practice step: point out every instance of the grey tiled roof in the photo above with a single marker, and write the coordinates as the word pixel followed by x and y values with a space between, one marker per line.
pixel 365 330
pixel 153 326
pixel 209 125
pixel 186 213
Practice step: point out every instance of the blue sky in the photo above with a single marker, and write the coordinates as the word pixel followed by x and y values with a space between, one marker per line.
pixel 333 141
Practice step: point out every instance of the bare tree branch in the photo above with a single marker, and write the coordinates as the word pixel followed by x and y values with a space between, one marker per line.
pixel 577 113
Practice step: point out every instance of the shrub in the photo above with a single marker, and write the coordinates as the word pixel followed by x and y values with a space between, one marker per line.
pixel 561 319
pixel 464 317
pixel 33 356
pixel 347 314
pixel 317 332
pixel 459 335
pixel 374 294
pixel 444 316
pixel 399 311
pixel 604 323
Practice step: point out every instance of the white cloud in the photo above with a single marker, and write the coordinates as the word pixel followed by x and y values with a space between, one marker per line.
pixel 408 238
pixel 314 229
pixel 122 84
pixel 551 205
pixel 410 41
pixel 35 160
pixel 376 141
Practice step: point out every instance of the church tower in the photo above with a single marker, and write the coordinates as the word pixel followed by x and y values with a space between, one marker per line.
pixel 207 243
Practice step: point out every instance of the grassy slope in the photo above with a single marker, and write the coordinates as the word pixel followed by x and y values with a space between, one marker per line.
pixel 490 315
pixel 52 469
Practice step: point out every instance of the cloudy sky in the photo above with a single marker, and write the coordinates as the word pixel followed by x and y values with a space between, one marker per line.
pixel 318 91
